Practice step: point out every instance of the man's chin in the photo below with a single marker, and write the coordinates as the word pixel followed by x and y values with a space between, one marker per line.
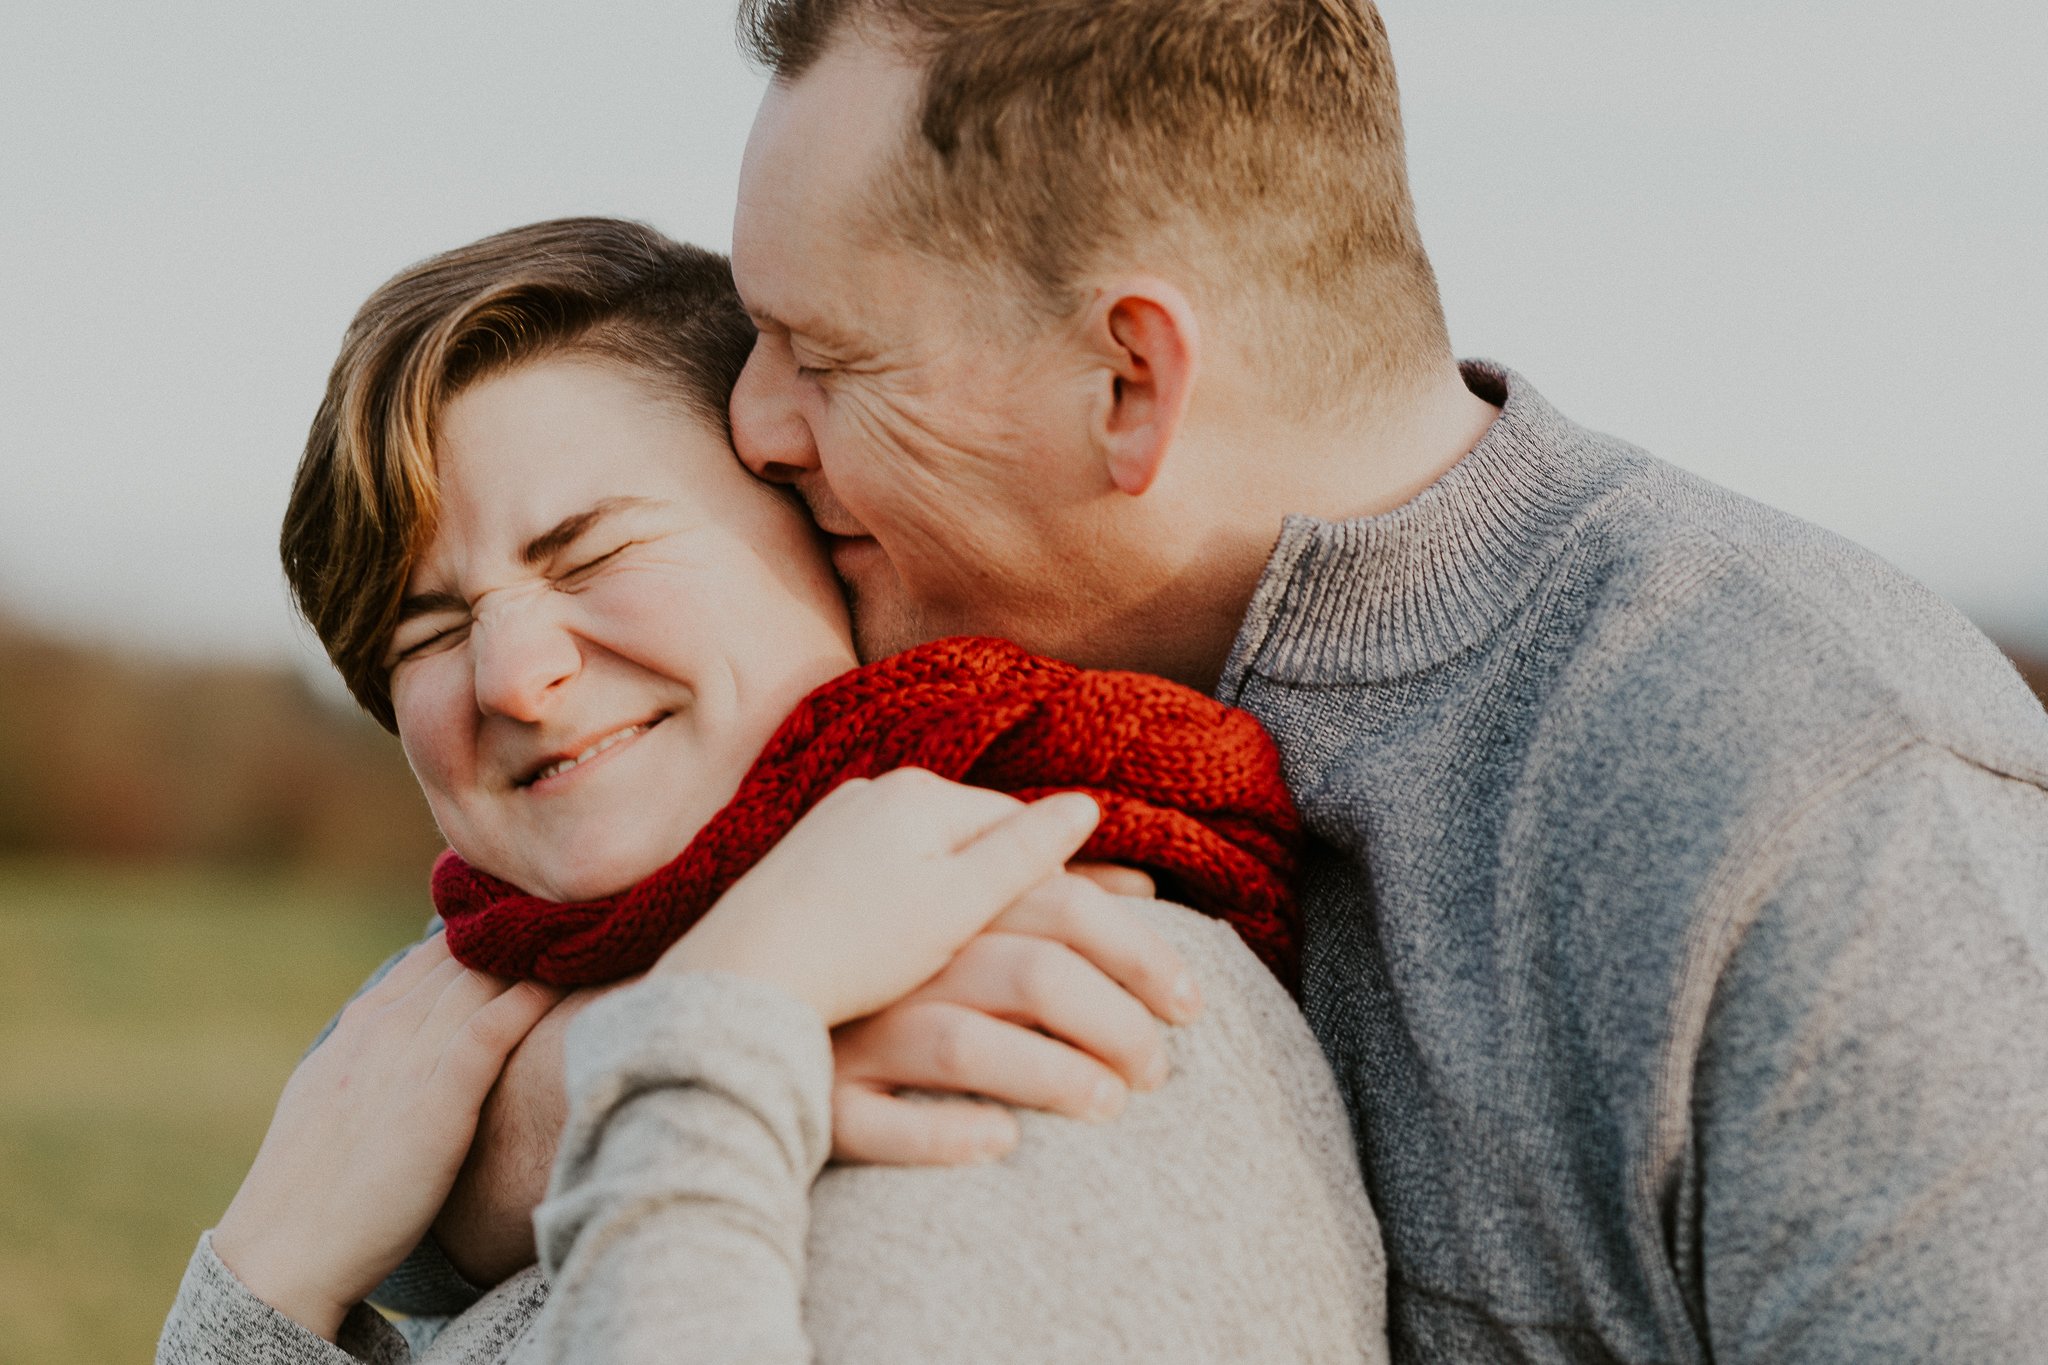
pixel 885 624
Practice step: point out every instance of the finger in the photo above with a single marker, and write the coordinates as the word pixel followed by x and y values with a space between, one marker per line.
pixel 1049 987
pixel 936 1045
pixel 1116 938
pixel 1117 879
pixel 873 1127
pixel 1025 849
pixel 461 997
pixel 476 1054
pixel 950 814
pixel 408 1010
pixel 408 971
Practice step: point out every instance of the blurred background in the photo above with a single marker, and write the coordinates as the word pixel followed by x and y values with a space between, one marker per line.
pixel 1795 249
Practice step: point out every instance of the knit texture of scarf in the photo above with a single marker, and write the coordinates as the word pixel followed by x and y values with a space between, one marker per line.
pixel 1190 792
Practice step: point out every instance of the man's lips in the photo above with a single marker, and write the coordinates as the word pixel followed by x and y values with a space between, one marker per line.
pixel 846 551
pixel 571 757
pixel 828 514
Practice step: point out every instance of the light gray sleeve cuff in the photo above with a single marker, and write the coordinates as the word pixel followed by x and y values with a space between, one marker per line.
pixel 217 1321
pixel 700 1113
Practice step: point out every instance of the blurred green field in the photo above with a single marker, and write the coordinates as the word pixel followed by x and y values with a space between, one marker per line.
pixel 147 1022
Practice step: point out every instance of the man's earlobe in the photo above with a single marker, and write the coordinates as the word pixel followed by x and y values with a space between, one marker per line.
pixel 1149 332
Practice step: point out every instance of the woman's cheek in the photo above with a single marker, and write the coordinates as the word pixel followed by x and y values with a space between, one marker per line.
pixel 436 712
pixel 657 613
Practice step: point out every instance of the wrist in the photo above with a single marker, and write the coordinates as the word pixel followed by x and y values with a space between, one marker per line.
pixel 711 948
pixel 273 1274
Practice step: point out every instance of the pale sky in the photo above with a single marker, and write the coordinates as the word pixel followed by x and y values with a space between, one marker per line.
pixel 1795 248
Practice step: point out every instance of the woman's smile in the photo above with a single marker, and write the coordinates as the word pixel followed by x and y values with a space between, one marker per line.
pixel 553 775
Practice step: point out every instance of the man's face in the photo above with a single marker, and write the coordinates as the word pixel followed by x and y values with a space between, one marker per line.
pixel 946 457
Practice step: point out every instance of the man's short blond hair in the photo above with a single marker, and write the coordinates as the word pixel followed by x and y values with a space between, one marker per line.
pixel 1259 142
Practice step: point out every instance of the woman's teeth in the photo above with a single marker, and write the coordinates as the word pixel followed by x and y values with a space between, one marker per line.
pixel 620 737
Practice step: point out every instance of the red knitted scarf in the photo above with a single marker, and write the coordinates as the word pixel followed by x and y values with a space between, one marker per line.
pixel 1190 792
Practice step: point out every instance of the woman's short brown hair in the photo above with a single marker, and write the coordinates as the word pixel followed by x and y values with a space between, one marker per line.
pixel 364 504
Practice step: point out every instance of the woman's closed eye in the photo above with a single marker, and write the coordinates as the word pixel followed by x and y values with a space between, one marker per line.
pixel 427 637
pixel 580 573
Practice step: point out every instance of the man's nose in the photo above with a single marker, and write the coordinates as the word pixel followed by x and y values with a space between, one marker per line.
pixel 524 657
pixel 768 430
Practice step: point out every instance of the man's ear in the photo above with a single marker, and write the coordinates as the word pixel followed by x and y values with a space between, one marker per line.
pixel 1146 330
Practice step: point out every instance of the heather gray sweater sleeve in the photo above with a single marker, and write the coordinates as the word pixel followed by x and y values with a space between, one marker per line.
pixel 676 1221
pixel 1873 1087
pixel 217 1321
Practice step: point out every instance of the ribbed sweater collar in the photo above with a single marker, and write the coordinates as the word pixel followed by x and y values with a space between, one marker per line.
pixel 1382 597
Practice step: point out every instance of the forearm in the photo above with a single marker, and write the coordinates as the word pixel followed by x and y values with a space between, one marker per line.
pixel 216 1320
pixel 675 1227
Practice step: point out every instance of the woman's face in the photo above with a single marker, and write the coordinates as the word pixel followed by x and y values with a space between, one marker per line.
pixel 612 619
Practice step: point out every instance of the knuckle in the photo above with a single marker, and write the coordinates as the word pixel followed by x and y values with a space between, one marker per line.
pixel 950 1049
pixel 906 780
pixel 852 789
pixel 484 1031
pixel 1044 981
pixel 1074 906
pixel 980 956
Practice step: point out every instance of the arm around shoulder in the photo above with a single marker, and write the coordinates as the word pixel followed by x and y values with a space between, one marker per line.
pixel 675 1226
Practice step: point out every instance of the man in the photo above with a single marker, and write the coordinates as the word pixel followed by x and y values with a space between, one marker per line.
pixel 1677 921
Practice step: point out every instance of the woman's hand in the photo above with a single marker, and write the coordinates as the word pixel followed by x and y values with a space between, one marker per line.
pixel 876 888
pixel 369 1135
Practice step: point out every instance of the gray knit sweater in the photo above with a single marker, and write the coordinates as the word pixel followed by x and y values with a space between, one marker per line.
pixel 1219 1219
pixel 1678 918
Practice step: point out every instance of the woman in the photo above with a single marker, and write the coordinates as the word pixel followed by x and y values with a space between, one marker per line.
pixel 523 537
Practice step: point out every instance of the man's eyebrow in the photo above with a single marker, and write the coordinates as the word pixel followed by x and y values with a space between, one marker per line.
pixel 564 532
pixel 810 328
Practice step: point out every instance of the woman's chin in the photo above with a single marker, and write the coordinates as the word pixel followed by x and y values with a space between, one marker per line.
pixel 589 879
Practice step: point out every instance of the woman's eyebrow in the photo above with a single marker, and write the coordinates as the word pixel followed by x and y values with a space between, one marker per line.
pixel 427 604
pixel 564 532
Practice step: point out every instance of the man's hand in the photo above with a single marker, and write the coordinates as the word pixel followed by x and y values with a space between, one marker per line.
pixel 1052 1002
pixel 1052 1007
pixel 486 1226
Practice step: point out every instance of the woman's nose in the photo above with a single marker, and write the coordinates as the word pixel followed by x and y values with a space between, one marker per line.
pixel 768 429
pixel 524 658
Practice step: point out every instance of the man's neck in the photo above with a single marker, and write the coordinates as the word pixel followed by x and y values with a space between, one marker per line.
pixel 1372 465
pixel 1264 474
